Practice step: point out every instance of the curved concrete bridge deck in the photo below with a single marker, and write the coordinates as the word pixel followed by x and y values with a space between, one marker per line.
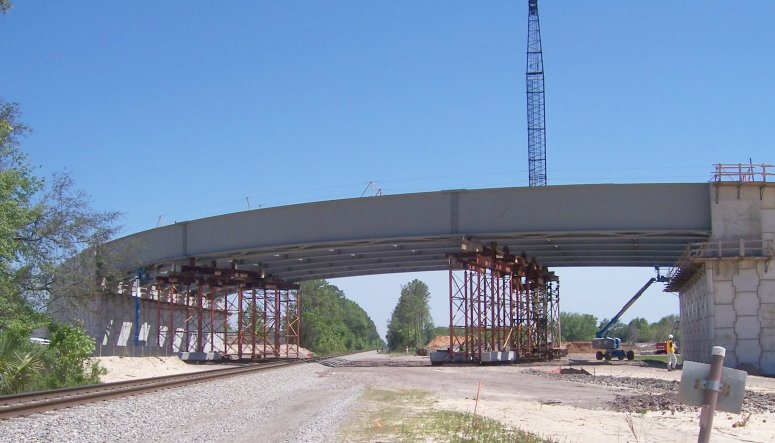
pixel 582 225
pixel 726 279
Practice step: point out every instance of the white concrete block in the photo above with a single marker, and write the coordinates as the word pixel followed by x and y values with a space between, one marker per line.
pixel 730 360
pixel 725 316
pixel 767 363
pixel 747 327
pixel 768 198
pixel 746 280
pixel 747 303
pixel 723 271
pixel 768 220
pixel 723 292
pixel 125 334
pixel 748 351
pixel 767 291
pixel 767 271
pixel 767 339
pixel 725 337
pixel 767 315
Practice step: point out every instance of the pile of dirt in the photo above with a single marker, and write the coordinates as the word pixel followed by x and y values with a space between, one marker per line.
pixel 579 347
pixel 439 342
pixel 131 368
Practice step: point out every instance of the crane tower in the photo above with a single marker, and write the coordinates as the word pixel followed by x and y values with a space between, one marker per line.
pixel 536 115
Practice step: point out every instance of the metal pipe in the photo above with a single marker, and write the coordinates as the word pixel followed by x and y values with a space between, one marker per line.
pixel 711 393
pixel 212 319
pixel 253 326
pixel 451 318
pixel 199 344
pixel 240 333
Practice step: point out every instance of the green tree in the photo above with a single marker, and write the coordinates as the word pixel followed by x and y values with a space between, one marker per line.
pixel 620 330
pixel 65 361
pixel 640 330
pixel 45 229
pixel 21 364
pixel 69 358
pixel 411 323
pixel 440 330
pixel 665 326
pixel 578 327
pixel 331 323
pixel 18 210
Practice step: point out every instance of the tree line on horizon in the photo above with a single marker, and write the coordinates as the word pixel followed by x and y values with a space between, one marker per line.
pixel 583 327
pixel 331 323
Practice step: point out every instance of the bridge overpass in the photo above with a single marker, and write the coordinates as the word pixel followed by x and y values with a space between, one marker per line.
pixel 582 225
pixel 720 236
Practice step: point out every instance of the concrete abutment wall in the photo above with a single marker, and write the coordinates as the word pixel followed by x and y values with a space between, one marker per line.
pixel 110 320
pixel 730 300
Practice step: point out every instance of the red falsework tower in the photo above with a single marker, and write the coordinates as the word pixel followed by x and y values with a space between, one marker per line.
pixel 502 308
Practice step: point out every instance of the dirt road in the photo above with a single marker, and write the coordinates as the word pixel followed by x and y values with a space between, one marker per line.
pixel 619 402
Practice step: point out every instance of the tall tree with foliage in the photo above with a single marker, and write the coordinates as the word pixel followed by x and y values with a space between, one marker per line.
pixel 18 210
pixel 331 323
pixel 44 229
pixel 640 330
pixel 411 324
pixel 578 327
pixel 665 326
pixel 5 6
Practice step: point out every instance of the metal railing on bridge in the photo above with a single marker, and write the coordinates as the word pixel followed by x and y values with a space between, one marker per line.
pixel 742 173
pixel 715 250
pixel 736 248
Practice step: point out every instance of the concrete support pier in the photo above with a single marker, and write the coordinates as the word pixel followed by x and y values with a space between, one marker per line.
pixel 727 284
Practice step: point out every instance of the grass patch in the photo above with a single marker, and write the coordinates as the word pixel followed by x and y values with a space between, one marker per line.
pixel 408 415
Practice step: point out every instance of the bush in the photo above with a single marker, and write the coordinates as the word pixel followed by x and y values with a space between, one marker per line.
pixel 66 361
pixel 71 365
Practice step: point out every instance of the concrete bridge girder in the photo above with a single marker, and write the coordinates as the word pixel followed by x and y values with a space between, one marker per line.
pixel 585 225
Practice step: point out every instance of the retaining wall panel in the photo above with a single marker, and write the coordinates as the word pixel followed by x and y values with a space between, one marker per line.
pixel 746 280
pixel 747 327
pixel 724 292
pixel 747 303
pixel 725 316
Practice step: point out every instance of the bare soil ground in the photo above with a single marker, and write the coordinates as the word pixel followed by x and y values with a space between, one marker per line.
pixel 618 401
pixel 576 399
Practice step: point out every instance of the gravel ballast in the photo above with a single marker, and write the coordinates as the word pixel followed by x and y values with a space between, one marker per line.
pixel 587 402
pixel 245 408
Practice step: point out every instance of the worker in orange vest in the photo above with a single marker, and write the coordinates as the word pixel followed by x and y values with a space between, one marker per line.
pixel 672 361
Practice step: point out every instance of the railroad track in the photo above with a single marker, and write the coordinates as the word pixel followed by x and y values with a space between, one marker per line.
pixel 34 402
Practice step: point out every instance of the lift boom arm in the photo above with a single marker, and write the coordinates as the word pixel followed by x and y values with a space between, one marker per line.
pixel 604 329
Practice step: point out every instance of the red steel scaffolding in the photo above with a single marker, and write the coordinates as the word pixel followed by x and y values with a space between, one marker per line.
pixel 501 308
pixel 233 313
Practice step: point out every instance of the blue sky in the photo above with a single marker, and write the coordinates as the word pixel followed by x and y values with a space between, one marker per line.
pixel 170 111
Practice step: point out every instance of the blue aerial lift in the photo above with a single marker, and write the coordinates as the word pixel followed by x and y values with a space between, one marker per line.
pixel 610 347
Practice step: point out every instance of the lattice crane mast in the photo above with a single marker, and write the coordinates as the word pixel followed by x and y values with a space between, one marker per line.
pixel 536 115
